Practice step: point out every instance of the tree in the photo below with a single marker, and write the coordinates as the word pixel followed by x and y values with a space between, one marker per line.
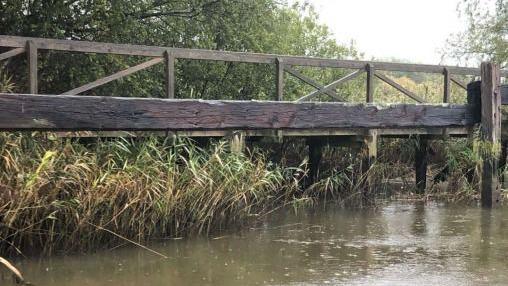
pixel 234 25
pixel 486 35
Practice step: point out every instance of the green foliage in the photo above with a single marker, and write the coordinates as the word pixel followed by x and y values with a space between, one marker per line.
pixel 6 83
pixel 485 37
pixel 257 26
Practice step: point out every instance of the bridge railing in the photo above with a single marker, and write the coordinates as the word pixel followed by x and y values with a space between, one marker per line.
pixel 284 64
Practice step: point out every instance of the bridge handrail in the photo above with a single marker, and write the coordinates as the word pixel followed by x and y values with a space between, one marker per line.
pixel 284 63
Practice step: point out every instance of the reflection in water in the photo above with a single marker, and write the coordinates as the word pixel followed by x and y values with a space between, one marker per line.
pixel 396 244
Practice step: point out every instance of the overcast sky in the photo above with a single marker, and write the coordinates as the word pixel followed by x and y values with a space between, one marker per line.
pixel 414 30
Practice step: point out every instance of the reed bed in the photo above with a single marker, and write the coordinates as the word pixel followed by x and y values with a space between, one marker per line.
pixel 61 195
pixel 66 195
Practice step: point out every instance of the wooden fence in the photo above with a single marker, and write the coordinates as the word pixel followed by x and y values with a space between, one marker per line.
pixel 284 64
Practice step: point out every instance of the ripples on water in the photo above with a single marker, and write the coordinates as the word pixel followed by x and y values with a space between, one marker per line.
pixel 396 244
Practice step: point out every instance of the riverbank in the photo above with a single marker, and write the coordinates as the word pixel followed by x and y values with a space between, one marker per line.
pixel 69 195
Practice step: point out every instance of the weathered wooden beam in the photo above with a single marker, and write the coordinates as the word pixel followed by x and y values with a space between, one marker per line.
pixel 399 87
pixel 490 132
pixel 421 162
pixel 446 85
pixel 369 157
pixel 64 112
pixel 113 77
pixel 458 82
pixel 157 51
pixel 280 79
pixel 31 49
pixel 331 85
pixel 315 132
pixel 12 53
pixel 371 72
pixel 169 70
pixel 311 82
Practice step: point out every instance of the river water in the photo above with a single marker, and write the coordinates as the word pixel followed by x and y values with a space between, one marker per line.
pixel 394 244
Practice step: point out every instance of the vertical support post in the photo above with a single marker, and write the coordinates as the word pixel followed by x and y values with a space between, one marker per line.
pixel 370 83
pixel 237 142
pixel 169 59
pixel 32 67
pixel 446 85
pixel 490 131
pixel 315 154
pixel 369 157
pixel 280 78
pixel 421 162
pixel 370 142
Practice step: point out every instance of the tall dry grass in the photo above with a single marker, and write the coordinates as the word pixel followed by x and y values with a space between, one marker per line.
pixel 54 194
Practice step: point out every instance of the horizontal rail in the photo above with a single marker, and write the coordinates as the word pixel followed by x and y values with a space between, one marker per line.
pixel 93 113
pixel 246 57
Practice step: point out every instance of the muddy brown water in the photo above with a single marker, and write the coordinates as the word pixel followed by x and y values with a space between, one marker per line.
pixel 395 244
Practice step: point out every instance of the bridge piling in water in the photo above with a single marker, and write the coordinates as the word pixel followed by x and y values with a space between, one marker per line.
pixel 490 132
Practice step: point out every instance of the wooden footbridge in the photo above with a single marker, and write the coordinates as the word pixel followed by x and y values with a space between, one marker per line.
pixel 240 119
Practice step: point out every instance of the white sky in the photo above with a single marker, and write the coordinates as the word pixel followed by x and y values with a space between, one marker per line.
pixel 413 30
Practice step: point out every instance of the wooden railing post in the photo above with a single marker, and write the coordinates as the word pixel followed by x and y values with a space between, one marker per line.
pixel 31 49
pixel 370 82
pixel 170 74
pixel 490 132
pixel 446 85
pixel 280 78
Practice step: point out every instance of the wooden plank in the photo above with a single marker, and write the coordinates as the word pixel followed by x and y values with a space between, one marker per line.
pixel 279 78
pixel 65 112
pixel 399 87
pixel 12 53
pixel 311 82
pixel 421 162
pixel 113 77
pixel 157 51
pixel 446 85
pixel 370 82
pixel 331 133
pixel 331 85
pixel 32 67
pixel 458 82
pixel 170 74
pixel 490 132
